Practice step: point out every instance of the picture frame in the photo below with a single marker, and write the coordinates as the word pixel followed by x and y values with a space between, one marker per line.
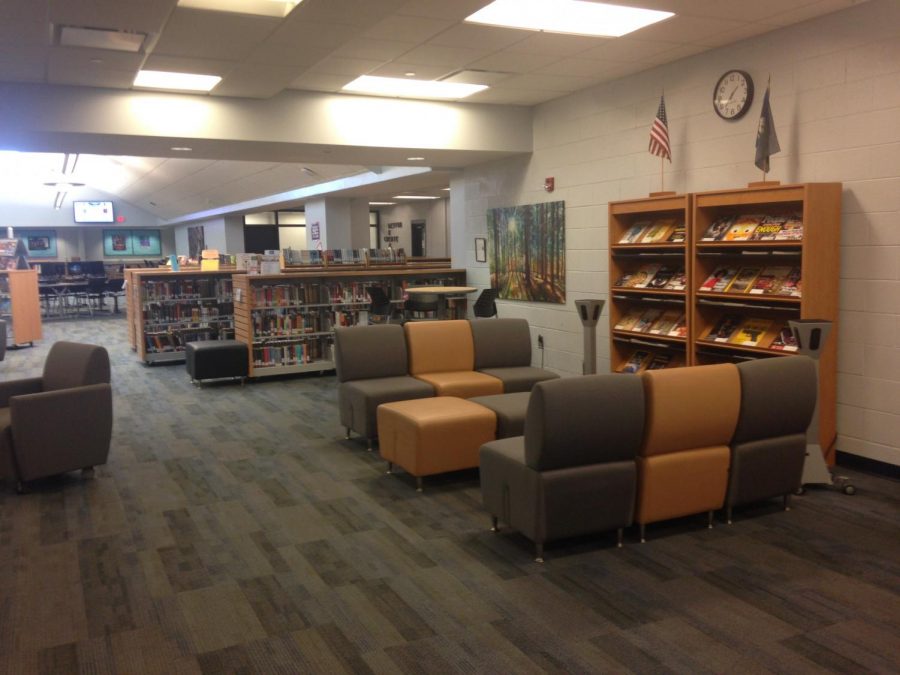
pixel 117 243
pixel 39 243
pixel 481 249
pixel 146 242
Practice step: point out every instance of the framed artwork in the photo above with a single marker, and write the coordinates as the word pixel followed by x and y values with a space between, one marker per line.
pixel 146 242
pixel 117 242
pixel 480 249
pixel 39 243
pixel 196 242
pixel 527 252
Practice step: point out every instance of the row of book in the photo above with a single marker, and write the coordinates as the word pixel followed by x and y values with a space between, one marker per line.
pixel 755 228
pixel 659 277
pixel 779 280
pixel 659 231
pixel 298 353
pixel 745 331
pixel 664 323
pixel 314 293
pixel 174 341
pixel 343 256
pixel 286 322
pixel 155 312
pixel 642 359
pixel 155 290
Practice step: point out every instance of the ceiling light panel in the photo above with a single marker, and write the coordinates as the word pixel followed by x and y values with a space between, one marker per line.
pixel 158 79
pixel 407 88
pixel 414 197
pixel 276 8
pixel 575 17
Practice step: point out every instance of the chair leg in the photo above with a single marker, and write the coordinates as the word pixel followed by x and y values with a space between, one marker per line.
pixel 620 533
pixel 347 437
pixel 21 488
pixel 370 445
pixel 495 524
pixel 728 514
pixel 88 472
pixel 390 468
pixel 787 502
pixel 539 553
pixel 643 530
pixel 419 484
pixel 709 519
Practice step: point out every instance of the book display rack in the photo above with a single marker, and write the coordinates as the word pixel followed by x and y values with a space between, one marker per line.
pixel 288 320
pixel 166 310
pixel 649 281
pixel 20 306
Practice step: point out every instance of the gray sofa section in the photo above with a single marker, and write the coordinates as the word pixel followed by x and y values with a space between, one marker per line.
pixel 574 471
pixel 768 449
pixel 371 365
pixel 503 350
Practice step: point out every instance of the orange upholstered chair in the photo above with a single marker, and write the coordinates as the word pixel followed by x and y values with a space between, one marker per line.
pixel 683 463
pixel 442 353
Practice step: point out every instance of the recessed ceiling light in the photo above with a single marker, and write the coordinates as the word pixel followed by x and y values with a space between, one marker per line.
pixel 382 203
pixel 446 189
pixel 63 185
pixel 414 197
pixel 276 8
pixel 410 74
pixel 396 86
pixel 576 17
pixel 159 79
pixel 180 148
pixel 415 159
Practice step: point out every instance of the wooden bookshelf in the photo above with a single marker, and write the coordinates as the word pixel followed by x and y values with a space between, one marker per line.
pixel 635 258
pixel 166 309
pixel 287 320
pixel 816 256
pixel 19 288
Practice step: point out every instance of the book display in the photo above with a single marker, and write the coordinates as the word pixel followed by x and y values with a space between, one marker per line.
pixel 287 320
pixel 649 275
pixel 166 310
pixel 20 306
pixel 780 263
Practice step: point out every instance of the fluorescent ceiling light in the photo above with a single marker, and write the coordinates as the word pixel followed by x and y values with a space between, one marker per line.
pixel 396 86
pixel 415 159
pixel 567 16
pixel 158 79
pixel 180 148
pixel 276 8
pixel 382 203
pixel 69 162
pixel 414 197
pixel 58 202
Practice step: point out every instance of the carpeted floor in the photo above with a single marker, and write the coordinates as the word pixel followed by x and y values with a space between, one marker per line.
pixel 234 530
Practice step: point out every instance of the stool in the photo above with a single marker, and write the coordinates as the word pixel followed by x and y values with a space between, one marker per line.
pixel 510 410
pixel 433 435
pixel 211 359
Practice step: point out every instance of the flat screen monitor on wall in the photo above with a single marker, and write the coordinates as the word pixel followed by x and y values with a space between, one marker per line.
pixel 93 212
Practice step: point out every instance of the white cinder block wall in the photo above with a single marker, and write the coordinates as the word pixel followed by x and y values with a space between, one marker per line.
pixel 836 103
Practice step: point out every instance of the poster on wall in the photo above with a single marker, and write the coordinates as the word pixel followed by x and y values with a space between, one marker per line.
pixel 40 243
pixel 146 242
pixel 196 242
pixel 527 252
pixel 117 242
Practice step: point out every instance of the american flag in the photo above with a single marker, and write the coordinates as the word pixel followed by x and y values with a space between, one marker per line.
pixel 659 133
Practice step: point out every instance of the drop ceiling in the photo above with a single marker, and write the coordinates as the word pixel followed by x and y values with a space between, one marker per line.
pixel 324 44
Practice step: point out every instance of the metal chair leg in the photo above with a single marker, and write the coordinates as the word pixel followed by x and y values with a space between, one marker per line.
pixel 643 529
pixel 390 468
pixel 495 524
pixel 787 502
pixel 418 483
pixel 539 553
pixel 709 519
pixel 728 514
pixel 620 533
pixel 347 437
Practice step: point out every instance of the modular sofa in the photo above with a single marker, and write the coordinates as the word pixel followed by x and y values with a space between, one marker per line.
pixel 503 350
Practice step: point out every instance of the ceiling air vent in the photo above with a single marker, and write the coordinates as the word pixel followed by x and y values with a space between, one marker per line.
pixel 100 38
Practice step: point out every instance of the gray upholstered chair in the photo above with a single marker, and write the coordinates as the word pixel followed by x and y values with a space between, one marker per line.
pixel 372 368
pixel 574 471
pixel 778 396
pixel 61 421
pixel 503 350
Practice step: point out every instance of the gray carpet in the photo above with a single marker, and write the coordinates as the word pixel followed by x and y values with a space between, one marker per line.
pixel 235 531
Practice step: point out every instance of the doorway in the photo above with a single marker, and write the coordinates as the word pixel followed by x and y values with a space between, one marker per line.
pixel 418 238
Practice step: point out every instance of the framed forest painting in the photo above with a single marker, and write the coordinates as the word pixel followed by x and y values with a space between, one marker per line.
pixel 527 252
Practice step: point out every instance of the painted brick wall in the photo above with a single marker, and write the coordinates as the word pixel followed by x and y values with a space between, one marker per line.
pixel 836 103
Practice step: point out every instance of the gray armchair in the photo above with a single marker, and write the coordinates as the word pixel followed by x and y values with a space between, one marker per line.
pixel 503 350
pixel 61 421
pixel 778 396
pixel 574 472
pixel 372 368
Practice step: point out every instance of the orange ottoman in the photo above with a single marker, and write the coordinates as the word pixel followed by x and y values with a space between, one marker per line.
pixel 433 435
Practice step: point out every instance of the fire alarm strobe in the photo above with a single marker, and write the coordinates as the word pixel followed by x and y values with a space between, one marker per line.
pixel 549 184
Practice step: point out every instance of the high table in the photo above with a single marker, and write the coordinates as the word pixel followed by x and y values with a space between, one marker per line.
pixel 444 293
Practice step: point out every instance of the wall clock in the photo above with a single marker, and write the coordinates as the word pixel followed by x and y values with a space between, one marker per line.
pixel 733 94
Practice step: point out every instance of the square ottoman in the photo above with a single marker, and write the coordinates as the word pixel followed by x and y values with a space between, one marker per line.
pixel 433 435
pixel 214 359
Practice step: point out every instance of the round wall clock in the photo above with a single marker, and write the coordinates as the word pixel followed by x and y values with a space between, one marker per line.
pixel 733 94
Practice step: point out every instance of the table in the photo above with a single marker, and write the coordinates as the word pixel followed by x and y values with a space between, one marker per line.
pixel 443 293
pixel 60 290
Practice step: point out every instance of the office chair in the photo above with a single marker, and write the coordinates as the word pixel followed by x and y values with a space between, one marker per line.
pixel 380 308
pixel 485 306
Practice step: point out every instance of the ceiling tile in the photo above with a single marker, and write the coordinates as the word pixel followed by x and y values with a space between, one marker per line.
pixel 365 48
pixel 338 66
pixel 555 44
pixel 22 71
pixel 473 36
pixel 255 81
pixel 688 29
pixel 545 82
pixel 588 68
pixel 417 29
pixel 177 64
pixel 514 62
pixel 320 82
pixel 94 59
pixel 628 49
pixel 422 72
pixel 62 71
pixel 213 35
pixel 296 54
pixel 435 55
pixel 501 96
pixel 455 10
pixel 319 34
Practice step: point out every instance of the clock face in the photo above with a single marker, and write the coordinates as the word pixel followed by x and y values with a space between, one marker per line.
pixel 733 94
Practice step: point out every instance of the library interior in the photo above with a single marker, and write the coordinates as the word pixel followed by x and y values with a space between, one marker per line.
pixel 410 336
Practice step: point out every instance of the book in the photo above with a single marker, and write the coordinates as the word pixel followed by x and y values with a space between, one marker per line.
pixel 791 284
pixel 768 229
pixel 719 280
pixel 743 280
pixel 659 361
pixel 636 362
pixel 665 322
pixel 662 277
pixel 677 235
pixel 623 280
pixel 634 233
pixel 658 231
pixel 628 320
pixel 680 327
pixel 724 328
pixel 648 318
pixel 784 340
pixel 751 332
pixel 791 229
pixel 644 276
pixel 717 229
pixel 742 228
pixel 769 280
pixel 678 282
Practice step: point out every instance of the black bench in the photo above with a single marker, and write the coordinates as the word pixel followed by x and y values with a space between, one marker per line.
pixel 214 359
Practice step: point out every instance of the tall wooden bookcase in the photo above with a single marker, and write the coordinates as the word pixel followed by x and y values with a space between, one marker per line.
pixel 19 288
pixel 816 254
pixel 287 320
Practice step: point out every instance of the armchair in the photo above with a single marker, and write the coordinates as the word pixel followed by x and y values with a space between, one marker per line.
pixel 61 421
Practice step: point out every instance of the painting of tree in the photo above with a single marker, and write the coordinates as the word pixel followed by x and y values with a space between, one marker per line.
pixel 527 252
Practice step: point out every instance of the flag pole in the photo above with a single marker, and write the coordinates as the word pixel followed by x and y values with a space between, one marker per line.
pixel 662 180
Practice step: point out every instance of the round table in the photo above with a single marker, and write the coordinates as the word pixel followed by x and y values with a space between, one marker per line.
pixel 443 293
